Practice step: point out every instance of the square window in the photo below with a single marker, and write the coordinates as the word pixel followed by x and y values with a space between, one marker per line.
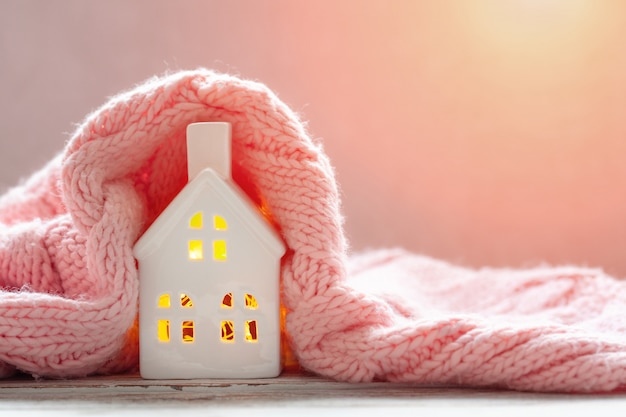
pixel 219 250
pixel 251 331
pixel 195 250
pixel 188 336
pixel 163 331
pixel 228 331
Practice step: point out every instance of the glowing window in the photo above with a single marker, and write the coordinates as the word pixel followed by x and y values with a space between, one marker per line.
pixel 188 331
pixel 163 331
pixel 219 223
pixel 219 250
pixel 227 301
pixel 185 301
pixel 195 250
pixel 251 331
pixel 196 221
pixel 164 301
pixel 228 331
pixel 251 302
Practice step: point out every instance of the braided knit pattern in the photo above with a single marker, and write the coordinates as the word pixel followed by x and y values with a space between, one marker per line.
pixel 69 280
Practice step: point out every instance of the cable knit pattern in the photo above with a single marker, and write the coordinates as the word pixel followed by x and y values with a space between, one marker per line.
pixel 69 280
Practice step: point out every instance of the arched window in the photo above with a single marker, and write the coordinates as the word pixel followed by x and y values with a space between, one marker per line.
pixel 219 245
pixel 163 325
pixel 195 249
pixel 227 300
pixel 250 327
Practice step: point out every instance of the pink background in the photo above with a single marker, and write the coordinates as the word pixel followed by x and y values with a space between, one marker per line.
pixel 482 132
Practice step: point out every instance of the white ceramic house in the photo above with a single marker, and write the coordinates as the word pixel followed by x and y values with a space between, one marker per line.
pixel 209 268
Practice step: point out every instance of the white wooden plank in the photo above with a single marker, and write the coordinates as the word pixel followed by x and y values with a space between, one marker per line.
pixel 289 394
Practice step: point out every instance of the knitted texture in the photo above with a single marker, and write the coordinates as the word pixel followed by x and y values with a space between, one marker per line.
pixel 70 285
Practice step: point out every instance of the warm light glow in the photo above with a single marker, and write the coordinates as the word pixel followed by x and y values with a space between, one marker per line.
pixel 163 331
pixel 288 356
pixel 219 250
pixel 195 250
pixel 188 336
pixel 251 302
pixel 228 331
pixel 530 27
pixel 219 223
pixel 529 17
pixel 227 301
pixel 251 331
pixel 196 221
pixel 185 301
pixel 164 301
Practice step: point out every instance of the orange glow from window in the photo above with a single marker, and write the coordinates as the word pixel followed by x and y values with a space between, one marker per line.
pixel 228 331
pixel 251 331
pixel 227 301
pixel 251 302
pixel 185 301
pixel 188 335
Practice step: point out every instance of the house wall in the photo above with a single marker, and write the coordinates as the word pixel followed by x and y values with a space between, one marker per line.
pixel 249 268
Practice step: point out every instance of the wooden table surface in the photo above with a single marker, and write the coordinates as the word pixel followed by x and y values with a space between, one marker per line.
pixel 291 393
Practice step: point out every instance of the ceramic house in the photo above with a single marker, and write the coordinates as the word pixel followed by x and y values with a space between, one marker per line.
pixel 209 267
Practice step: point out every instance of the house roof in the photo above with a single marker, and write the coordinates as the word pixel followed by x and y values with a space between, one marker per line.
pixel 231 195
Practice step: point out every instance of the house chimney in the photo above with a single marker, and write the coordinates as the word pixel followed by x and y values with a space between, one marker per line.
pixel 208 146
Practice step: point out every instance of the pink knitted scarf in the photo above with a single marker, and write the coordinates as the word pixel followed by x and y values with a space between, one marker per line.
pixel 69 280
